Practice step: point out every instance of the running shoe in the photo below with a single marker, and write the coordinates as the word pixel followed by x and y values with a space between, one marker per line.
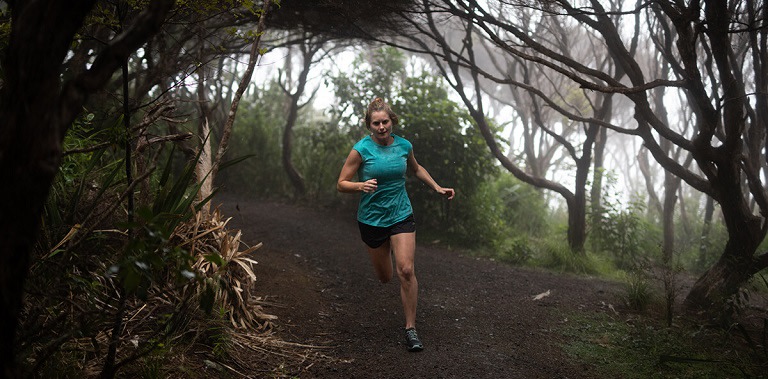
pixel 412 340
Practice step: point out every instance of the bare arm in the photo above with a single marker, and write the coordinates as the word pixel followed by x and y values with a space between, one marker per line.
pixel 348 171
pixel 424 176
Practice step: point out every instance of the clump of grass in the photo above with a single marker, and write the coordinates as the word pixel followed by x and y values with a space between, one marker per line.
pixel 639 292
pixel 218 335
pixel 558 256
pixel 152 366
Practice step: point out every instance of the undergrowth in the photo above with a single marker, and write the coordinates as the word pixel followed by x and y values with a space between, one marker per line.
pixel 646 340
pixel 550 255
pixel 640 348
pixel 558 256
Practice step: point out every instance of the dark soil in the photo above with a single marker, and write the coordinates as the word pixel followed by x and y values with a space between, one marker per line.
pixel 477 317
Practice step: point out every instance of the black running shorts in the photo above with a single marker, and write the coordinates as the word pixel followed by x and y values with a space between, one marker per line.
pixel 375 236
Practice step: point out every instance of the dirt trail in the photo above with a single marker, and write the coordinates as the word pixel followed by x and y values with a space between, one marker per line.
pixel 477 318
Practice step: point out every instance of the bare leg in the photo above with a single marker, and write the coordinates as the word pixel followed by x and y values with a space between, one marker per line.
pixel 382 261
pixel 404 247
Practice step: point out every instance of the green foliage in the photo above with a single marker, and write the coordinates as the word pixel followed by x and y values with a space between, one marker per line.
pixel 149 257
pixel 176 200
pixel 84 179
pixel 321 149
pixel 697 253
pixel 620 231
pixel 5 34
pixel 514 215
pixel 92 262
pixel 519 207
pixel 516 251
pixel 204 8
pixel 259 133
pixel 152 367
pixel 217 334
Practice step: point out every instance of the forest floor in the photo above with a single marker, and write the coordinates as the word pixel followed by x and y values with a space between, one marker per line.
pixel 477 318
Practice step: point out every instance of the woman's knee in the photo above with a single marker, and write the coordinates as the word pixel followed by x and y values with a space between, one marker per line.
pixel 405 272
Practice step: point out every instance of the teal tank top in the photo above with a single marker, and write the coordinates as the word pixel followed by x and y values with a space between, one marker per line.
pixel 389 204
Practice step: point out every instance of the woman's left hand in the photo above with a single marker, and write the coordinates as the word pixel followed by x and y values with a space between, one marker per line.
pixel 449 192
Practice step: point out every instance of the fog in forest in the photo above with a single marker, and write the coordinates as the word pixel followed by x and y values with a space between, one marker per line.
pixel 616 141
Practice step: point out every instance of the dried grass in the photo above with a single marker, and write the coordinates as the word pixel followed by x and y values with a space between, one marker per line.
pixel 253 345
pixel 170 327
pixel 232 275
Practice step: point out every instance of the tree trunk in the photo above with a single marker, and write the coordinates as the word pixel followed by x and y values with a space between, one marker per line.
pixel 577 212
pixel 308 50
pixel 596 192
pixel 737 264
pixel 704 244
pixel 577 220
pixel 203 169
pixel 29 157
pixel 723 280
pixel 671 184
pixel 293 174
pixel 654 203
pixel 203 166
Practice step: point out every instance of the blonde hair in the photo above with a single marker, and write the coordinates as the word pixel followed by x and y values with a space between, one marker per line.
pixel 378 105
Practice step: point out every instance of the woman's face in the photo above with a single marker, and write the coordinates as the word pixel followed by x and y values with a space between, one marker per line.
pixel 381 126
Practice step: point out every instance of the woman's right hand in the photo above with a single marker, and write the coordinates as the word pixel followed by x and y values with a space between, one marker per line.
pixel 369 186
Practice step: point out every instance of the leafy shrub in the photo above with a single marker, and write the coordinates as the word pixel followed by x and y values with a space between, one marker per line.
pixel 260 122
pixel 520 207
pixel 320 150
pixel 620 231
pixel 516 251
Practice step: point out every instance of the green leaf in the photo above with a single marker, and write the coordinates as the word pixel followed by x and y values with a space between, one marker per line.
pixel 216 259
pixel 131 279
